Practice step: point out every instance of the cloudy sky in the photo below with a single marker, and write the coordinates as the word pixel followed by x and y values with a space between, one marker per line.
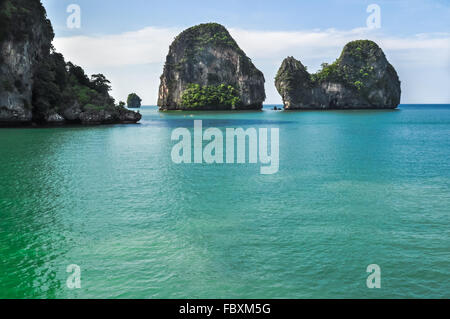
pixel 128 40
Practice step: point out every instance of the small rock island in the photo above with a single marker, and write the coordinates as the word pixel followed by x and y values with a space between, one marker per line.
pixel 206 70
pixel 134 101
pixel 37 85
pixel 362 78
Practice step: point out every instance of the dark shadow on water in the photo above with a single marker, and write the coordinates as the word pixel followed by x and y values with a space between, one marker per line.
pixel 60 126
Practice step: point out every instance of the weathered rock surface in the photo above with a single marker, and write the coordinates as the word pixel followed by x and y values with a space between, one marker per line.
pixel 362 78
pixel 55 118
pixel 37 85
pixel 206 55
pixel 134 101
pixel 22 46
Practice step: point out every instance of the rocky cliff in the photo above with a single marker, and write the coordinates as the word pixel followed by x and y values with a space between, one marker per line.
pixel 37 85
pixel 134 101
pixel 25 39
pixel 206 70
pixel 362 78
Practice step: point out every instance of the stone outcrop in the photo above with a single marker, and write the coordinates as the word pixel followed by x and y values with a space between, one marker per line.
pixel 134 101
pixel 37 85
pixel 362 78
pixel 208 61
pixel 25 40
pixel 106 116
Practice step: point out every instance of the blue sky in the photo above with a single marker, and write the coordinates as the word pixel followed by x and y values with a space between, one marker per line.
pixel 128 40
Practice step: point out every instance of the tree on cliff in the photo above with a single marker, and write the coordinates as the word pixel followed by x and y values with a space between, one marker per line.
pixel 49 90
pixel 206 70
pixel 361 78
pixel 100 83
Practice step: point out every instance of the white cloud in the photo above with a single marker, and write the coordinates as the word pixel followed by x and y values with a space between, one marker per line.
pixel 134 60
pixel 149 45
pixel 328 44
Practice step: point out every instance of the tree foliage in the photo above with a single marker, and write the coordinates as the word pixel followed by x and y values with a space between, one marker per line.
pixel 197 96
pixel 16 16
pixel 100 83
pixel 58 85
pixel 353 69
pixel 49 84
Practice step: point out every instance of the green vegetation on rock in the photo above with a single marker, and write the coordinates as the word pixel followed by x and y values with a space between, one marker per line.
pixel 293 74
pixel 134 101
pixel 198 37
pixel 59 84
pixel 223 96
pixel 348 69
pixel 16 16
pixel 207 56
pixel 361 77
pixel 50 89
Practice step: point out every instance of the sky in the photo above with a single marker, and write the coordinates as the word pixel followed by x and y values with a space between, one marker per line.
pixel 129 40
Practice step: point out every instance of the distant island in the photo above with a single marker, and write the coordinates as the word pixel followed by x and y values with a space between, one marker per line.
pixel 206 70
pixel 362 78
pixel 134 101
pixel 37 85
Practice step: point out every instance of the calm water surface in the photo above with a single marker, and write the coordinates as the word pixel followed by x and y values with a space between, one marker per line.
pixel 354 188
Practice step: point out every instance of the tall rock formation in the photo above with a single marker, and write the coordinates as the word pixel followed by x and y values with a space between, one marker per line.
pixel 134 101
pixel 37 85
pixel 206 70
pixel 362 78
pixel 25 39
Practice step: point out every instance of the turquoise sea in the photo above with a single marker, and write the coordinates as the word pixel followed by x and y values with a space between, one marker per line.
pixel 354 188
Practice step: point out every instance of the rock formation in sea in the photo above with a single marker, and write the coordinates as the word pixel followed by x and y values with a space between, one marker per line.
pixel 37 85
pixel 206 70
pixel 134 101
pixel 362 78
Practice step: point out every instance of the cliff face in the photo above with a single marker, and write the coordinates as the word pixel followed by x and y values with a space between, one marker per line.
pixel 134 101
pixel 362 78
pixel 37 85
pixel 25 40
pixel 207 61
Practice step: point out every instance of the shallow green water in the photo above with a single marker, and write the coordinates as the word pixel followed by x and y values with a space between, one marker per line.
pixel 354 188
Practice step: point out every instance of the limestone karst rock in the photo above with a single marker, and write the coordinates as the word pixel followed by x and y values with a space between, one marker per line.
pixel 206 70
pixel 36 83
pixel 134 101
pixel 362 78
